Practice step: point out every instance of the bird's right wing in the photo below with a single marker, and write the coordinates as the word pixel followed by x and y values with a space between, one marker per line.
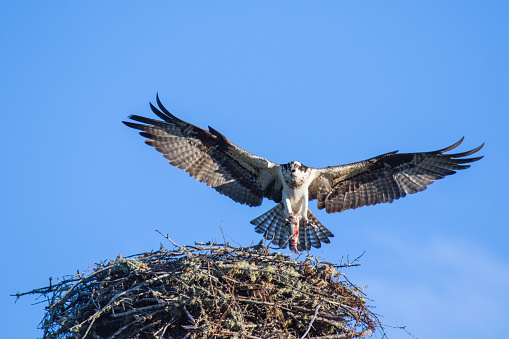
pixel 208 156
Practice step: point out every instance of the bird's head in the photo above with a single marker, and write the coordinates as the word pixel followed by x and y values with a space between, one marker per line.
pixel 293 167
pixel 294 173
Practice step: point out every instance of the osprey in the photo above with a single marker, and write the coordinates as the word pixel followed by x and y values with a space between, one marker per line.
pixel 209 157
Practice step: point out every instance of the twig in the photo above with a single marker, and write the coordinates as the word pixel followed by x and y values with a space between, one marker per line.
pixel 222 232
pixel 143 309
pixel 167 237
pixel 345 335
pixel 401 328
pixel 188 314
pixel 271 334
pixel 109 305
pixel 312 321
pixel 230 333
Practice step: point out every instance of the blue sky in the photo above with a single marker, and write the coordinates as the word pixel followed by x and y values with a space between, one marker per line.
pixel 322 82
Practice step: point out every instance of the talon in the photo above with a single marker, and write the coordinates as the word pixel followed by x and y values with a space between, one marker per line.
pixel 291 217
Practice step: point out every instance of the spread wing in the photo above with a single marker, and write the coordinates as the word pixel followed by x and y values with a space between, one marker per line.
pixel 384 178
pixel 208 156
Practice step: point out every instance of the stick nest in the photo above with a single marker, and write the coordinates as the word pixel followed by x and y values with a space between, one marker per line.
pixel 207 291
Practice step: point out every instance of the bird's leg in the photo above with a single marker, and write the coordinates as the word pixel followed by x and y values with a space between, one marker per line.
pixel 294 221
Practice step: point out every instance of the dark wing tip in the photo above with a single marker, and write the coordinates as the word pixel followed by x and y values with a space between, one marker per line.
pixel 159 113
pixel 478 147
pixel 158 100
pixel 128 123
pixel 132 125
pixel 453 146
pixel 164 109
pixel 146 120
pixel 464 154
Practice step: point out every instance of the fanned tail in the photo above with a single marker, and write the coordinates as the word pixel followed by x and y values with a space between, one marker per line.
pixel 275 227
pixel 312 233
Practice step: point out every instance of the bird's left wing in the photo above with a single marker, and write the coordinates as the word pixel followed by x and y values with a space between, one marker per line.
pixel 210 157
pixel 384 178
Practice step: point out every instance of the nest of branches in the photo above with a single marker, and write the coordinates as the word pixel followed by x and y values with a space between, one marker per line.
pixel 208 291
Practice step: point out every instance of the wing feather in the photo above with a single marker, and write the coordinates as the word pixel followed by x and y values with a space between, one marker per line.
pixel 385 178
pixel 209 157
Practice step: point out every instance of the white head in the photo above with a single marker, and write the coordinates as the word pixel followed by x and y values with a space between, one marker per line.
pixel 295 173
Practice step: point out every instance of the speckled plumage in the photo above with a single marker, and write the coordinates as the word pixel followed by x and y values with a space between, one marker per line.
pixel 210 157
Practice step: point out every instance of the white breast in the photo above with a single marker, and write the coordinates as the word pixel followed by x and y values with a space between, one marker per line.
pixel 295 190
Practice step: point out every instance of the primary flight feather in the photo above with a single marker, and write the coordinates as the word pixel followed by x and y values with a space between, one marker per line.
pixel 208 156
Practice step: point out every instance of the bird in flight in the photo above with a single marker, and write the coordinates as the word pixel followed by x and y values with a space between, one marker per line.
pixel 209 157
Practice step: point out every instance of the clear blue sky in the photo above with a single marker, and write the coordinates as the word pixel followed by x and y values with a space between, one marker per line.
pixel 321 82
